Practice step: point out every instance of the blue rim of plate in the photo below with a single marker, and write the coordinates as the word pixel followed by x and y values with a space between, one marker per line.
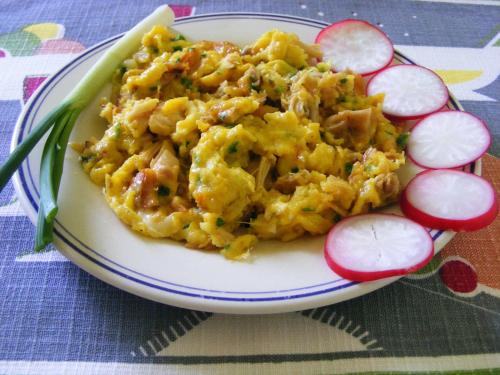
pixel 74 243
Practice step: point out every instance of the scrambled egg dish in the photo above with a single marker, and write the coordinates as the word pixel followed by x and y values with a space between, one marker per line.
pixel 217 145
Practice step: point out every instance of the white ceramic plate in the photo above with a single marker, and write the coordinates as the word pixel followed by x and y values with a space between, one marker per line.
pixel 280 276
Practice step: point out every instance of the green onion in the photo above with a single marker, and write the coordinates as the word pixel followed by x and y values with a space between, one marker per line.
pixel 402 140
pixel 62 120
pixel 233 147
pixel 186 82
pixel 348 168
pixel 163 191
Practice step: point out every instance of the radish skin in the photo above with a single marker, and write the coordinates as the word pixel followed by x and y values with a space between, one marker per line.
pixel 356 45
pixel 411 91
pixel 463 193
pixel 443 140
pixel 375 246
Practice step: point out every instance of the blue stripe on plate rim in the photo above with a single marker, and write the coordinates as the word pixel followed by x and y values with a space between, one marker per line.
pixel 83 249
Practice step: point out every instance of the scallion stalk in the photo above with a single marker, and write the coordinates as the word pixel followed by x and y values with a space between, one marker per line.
pixel 62 120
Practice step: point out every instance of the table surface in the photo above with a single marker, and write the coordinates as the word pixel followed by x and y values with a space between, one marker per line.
pixel 57 319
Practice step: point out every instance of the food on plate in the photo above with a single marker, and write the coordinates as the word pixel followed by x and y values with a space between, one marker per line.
pixel 356 45
pixel 411 91
pixel 217 145
pixel 450 199
pixel 448 139
pixel 374 246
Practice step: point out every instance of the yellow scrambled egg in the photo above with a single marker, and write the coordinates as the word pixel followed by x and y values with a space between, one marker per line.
pixel 217 145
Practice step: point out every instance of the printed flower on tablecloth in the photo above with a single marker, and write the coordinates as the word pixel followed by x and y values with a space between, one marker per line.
pixel 36 51
pixel 469 268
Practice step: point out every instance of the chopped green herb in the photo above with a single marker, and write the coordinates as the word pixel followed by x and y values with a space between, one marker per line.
pixel 123 70
pixel 118 131
pixel 186 82
pixel 177 48
pixel 402 140
pixel 348 168
pixel 343 81
pixel 294 170
pixel 177 38
pixel 178 60
pixel 229 126
pixel 279 90
pixel 336 218
pixel 219 222
pixel 186 226
pixel 163 191
pixel 341 99
pixel 233 147
pixel 254 86
pixel 86 158
pixel 204 54
pixel 227 247
pixel 308 209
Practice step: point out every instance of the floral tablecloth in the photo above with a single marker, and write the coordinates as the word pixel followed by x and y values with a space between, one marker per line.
pixel 57 319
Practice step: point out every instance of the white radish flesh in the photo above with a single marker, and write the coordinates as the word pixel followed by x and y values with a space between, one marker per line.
pixel 411 91
pixel 374 246
pixel 448 140
pixel 450 199
pixel 355 45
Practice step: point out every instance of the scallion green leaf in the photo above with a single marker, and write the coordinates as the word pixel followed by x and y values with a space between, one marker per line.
pixel 63 118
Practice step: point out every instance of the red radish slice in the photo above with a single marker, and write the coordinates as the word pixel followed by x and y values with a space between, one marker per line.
pixel 375 246
pixel 355 45
pixel 411 91
pixel 450 199
pixel 448 139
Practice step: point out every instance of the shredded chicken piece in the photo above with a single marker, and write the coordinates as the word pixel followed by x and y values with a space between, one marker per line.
pixel 359 125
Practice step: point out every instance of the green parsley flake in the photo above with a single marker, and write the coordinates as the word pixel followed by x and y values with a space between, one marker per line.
pixel 219 222
pixel 348 168
pixel 118 131
pixel 186 82
pixel 163 191
pixel 177 48
pixel 86 158
pixel 233 147
pixel 294 170
pixel 402 140
pixel 308 209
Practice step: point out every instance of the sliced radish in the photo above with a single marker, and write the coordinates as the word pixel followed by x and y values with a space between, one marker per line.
pixel 411 91
pixel 355 45
pixel 448 140
pixel 450 199
pixel 375 246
